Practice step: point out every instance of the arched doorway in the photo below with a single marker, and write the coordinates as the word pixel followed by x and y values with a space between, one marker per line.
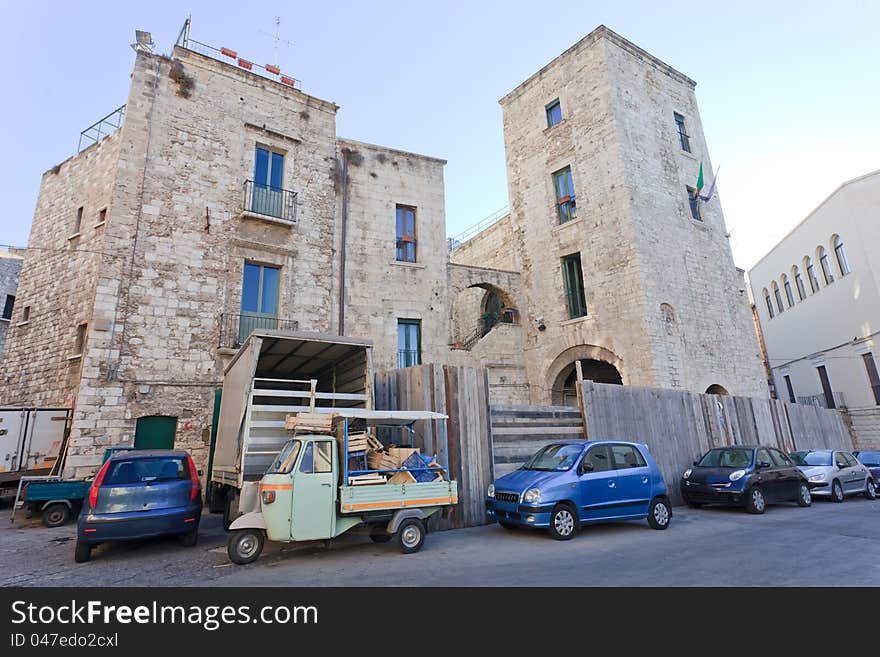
pixel 716 389
pixel 597 371
pixel 476 310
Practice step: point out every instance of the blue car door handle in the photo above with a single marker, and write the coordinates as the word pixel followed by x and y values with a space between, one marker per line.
pixel 611 484
pixel 644 480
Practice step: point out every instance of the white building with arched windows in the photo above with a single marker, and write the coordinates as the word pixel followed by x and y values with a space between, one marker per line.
pixel 817 297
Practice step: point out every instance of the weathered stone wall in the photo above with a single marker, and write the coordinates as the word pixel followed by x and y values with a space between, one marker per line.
pixel 491 247
pixel 684 264
pixel 379 290
pixel 176 214
pixel 10 268
pixel 603 233
pixel 865 427
pixel 662 293
pixel 58 279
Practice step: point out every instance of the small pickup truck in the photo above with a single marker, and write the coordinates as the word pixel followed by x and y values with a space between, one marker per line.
pixel 57 499
pixel 310 493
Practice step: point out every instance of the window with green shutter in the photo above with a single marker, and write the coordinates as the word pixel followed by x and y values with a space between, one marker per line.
pixel 574 286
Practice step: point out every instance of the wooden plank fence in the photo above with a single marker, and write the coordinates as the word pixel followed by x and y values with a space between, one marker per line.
pixel 679 426
pixel 520 431
pixel 462 393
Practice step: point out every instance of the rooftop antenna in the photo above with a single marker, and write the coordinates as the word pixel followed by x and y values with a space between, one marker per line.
pixel 143 41
pixel 276 37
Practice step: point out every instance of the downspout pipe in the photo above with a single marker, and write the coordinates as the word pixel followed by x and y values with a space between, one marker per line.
pixel 342 250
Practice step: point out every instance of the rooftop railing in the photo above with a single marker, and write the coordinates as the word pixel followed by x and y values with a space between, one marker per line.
pixel 230 56
pixel 102 128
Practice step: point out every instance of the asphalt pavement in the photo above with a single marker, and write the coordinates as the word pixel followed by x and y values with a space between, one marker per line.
pixel 825 545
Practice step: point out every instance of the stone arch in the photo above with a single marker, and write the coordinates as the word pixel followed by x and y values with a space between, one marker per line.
pixel 716 389
pixel 600 365
pixel 478 308
pixel 470 290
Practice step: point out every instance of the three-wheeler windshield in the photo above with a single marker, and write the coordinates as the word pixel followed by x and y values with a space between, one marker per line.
pixel 286 459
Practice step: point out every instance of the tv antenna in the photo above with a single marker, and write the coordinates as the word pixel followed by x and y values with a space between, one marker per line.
pixel 276 37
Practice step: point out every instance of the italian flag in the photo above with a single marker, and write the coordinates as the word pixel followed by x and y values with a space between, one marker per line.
pixel 699 186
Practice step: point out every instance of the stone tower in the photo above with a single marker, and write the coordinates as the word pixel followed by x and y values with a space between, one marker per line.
pixel 621 268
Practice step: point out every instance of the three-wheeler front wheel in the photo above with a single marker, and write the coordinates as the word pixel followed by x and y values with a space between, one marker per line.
pixel 245 545
pixel 411 535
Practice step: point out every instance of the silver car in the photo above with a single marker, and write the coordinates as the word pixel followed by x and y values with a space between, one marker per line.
pixel 835 474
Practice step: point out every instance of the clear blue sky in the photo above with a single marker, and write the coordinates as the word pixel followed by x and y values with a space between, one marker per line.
pixel 788 91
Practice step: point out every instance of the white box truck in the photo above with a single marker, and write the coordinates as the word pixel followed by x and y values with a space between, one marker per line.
pixel 273 374
pixel 31 440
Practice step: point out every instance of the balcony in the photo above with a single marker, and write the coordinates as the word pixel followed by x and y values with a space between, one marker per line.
pixel 268 203
pixel 408 358
pixel 837 401
pixel 234 329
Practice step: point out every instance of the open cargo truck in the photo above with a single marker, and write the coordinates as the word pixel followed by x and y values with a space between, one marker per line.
pixel 31 444
pixel 276 373
pixel 320 486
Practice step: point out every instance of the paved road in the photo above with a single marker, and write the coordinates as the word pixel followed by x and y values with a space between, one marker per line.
pixel 826 545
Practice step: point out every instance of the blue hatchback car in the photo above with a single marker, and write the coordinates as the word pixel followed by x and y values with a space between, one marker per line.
pixel 141 494
pixel 573 483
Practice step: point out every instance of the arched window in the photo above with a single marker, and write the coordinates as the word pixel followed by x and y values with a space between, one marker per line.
pixel 842 262
pixel 826 266
pixel 788 293
pixel 811 274
pixel 769 303
pixel 799 282
pixel 778 295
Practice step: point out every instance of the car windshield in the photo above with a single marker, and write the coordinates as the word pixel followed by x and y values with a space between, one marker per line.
pixel 142 470
pixel 811 458
pixel 726 457
pixel 283 463
pixel 871 459
pixel 554 458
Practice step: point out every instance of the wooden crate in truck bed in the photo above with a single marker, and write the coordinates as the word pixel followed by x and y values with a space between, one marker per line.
pixel 358 499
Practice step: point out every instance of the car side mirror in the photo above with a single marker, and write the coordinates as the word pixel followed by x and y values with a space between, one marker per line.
pixel 696 463
pixel 586 467
pixel 199 472
pixel 763 464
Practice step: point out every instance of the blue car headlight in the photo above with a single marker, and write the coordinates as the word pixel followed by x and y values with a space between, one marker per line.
pixel 736 475
pixel 532 495
pixel 491 491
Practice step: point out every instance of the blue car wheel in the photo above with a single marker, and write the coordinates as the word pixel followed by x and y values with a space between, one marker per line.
pixel 563 522
pixel 659 514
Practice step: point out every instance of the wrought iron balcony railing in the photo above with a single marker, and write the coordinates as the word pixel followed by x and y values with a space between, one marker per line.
pixel 234 329
pixel 836 401
pixel 408 357
pixel 268 201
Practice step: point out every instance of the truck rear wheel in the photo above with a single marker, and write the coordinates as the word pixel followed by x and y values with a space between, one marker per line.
pixel 56 514
pixel 245 545
pixel 411 535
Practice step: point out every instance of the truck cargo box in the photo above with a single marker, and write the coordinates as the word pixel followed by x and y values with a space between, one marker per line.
pixel 276 373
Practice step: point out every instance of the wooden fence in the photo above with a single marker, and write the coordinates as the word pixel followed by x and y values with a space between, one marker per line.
pixel 679 426
pixel 520 431
pixel 462 393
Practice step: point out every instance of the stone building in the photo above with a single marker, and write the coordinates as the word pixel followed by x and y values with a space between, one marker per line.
pixel 817 297
pixel 218 206
pixel 10 268
pixel 621 267
pixel 225 201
